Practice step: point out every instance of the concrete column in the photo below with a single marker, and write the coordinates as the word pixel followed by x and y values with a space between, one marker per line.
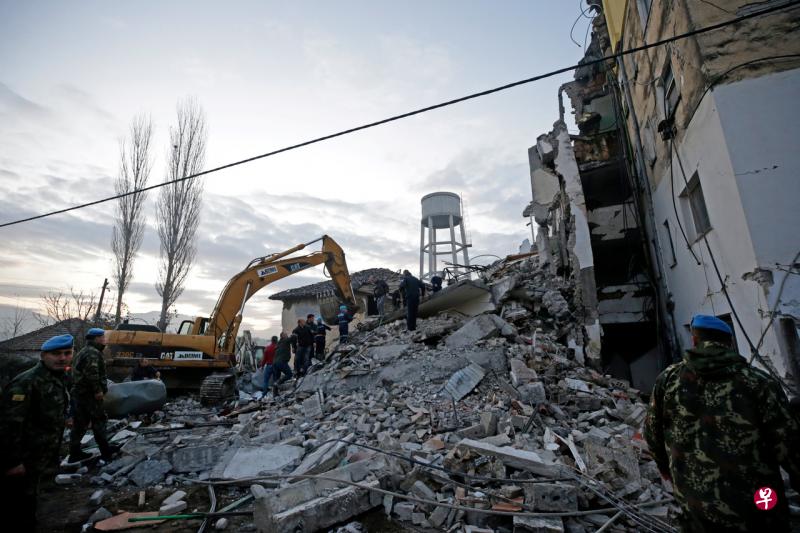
pixel 453 241
pixel 431 246
pixel 421 249
pixel 464 243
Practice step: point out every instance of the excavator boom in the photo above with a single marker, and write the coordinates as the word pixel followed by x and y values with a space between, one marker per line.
pixel 211 343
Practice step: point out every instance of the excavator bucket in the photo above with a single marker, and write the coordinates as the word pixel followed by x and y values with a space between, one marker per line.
pixel 329 308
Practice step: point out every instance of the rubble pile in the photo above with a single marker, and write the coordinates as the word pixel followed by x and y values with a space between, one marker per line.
pixel 485 423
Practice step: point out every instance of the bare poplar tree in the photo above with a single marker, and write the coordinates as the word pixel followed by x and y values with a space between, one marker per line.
pixel 134 171
pixel 179 203
pixel 15 323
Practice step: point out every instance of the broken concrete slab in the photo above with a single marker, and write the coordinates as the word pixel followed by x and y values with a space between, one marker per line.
pixel 488 359
pixel 501 288
pixel 520 373
pixel 176 496
pixel 532 393
pixel 324 458
pixel 462 382
pixel 521 459
pixel 387 352
pixel 481 327
pixel 253 461
pixel 172 508
pixel 149 472
pixel 319 513
pixel 538 524
pixel 551 497
pixel 195 458
pixel 134 398
pixel 99 515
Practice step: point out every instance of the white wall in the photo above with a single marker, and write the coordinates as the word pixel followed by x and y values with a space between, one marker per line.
pixel 749 113
pixel 761 121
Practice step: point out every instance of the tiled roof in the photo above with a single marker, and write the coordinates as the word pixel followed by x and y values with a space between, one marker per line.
pixel 32 342
pixel 325 288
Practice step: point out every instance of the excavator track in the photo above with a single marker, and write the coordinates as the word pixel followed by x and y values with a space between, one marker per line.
pixel 217 388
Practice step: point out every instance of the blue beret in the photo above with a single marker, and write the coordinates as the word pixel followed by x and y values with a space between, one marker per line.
pixel 95 332
pixel 59 342
pixel 711 322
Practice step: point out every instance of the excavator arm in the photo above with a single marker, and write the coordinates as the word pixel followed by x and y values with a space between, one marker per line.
pixel 227 315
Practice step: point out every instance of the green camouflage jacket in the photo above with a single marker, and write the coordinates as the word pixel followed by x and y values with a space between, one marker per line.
pixel 32 415
pixel 89 372
pixel 721 428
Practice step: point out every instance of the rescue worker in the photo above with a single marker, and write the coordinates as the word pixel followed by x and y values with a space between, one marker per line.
pixel 343 319
pixel 379 293
pixel 312 325
pixel 436 283
pixel 88 389
pixel 319 339
pixel 268 360
pixel 719 429
pixel 412 288
pixel 283 352
pixel 32 418
pixel 302 344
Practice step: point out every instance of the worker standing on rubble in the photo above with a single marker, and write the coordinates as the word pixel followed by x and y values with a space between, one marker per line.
pixel 32 419
pixel 343 319
pixel 88 389
pixel 312 325
pixel 379 293
pixel 302 344
pixel 280 367
pixel 720 429
pixel 268 360
pixel 319 339
pixel 413 289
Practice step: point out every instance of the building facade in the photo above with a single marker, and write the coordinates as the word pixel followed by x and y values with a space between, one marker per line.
pixel 689 180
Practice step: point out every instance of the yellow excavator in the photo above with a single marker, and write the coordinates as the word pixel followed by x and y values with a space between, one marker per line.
pixel 202 354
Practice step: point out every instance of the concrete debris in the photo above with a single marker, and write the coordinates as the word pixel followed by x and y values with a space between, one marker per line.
pixel 150 472
pixel 462 382
pixel 477 398
pixel 101 514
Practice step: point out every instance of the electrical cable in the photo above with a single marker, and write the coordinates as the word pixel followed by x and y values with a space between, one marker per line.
pixel 775 307
pixel 753 349
pixel 250 480
pixel 722 76
pixel 646 46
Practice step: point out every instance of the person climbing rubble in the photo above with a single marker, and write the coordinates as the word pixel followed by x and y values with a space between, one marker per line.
pixel 720 430
pixel 343 319
pixel 268 360
pixel 380 292
pixel 280 367
pixel 302 343
pixel 89 387
pixel 413 289
pixel 320 332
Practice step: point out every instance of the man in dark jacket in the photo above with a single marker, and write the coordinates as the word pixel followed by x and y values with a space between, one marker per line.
pixel 88 388
pixel 32 417
pixel 379 293
pixel 319 339
pixel 280 367
pixel 302 343
pixel 720 429
pixel 413 289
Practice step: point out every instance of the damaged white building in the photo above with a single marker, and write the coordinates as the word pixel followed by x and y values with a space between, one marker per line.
pixel 678 195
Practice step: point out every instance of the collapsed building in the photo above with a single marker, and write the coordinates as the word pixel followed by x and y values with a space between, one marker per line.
pixel 474 422
pixel 678 194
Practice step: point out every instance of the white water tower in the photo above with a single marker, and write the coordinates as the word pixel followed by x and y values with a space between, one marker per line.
pixel 441 210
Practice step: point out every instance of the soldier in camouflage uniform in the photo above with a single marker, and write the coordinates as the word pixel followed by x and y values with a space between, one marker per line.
pixel 719 429
pixel 32 418
pixel 89 387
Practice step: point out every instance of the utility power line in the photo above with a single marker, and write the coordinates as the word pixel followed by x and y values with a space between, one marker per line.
pixel 754 14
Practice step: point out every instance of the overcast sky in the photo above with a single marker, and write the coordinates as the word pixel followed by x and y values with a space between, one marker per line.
pixel 269 74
